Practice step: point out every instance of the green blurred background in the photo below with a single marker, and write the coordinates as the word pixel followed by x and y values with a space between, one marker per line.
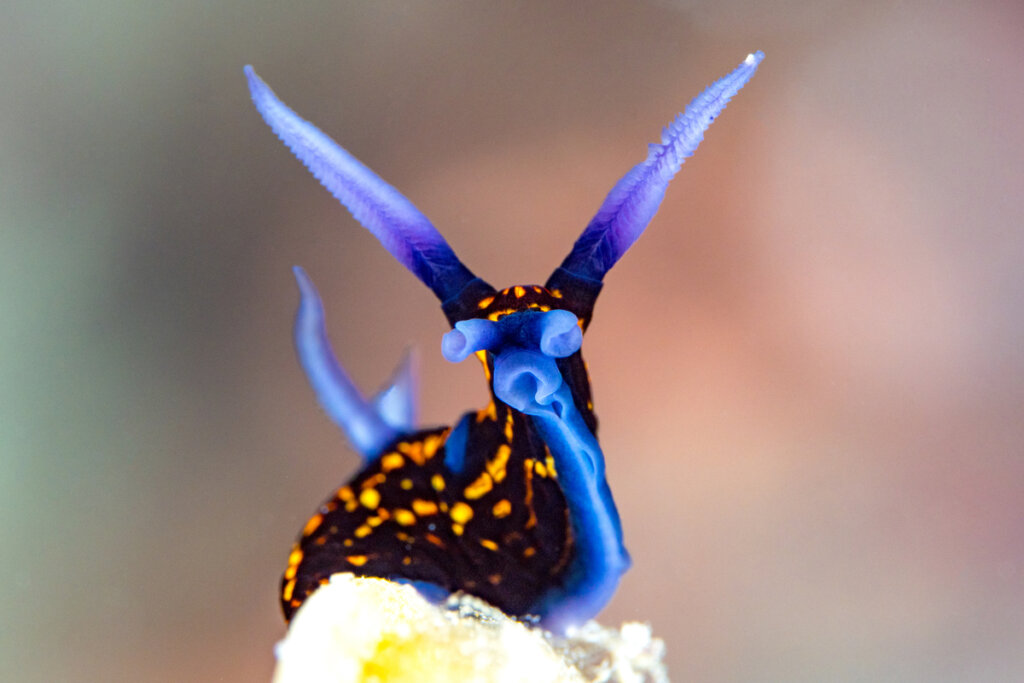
pixel 809 372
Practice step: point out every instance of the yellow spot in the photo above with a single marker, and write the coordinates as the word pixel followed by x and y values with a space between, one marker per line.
pixel 488 543
pixel 291 572
pixel 369 498
pixel 536 289
pixel 391 461
pixel 496 466
pixel 357 560
pixel 437 481
pixel 457 529
pixel 406 560
pixel 508 427
pixel 550 463
pixel 504 292
pixel 406 484
pixel 289 588
pixel 403 537
pixel 478 488
pixel 502 508
pixel 313 524
pixel 363 531
pixel 520 292
pixel 590 405
pixel 485 302
pixel 345 493
pixel 444 506
pixel 461 512
pixel 351 505
pixel 374 521
pixel 557 293
pixel 482 357
pixel 404 517
pixel 529 552
pixel 539 468
pixel 413 450
pixel 347 543
pixel 423 507
pixel 545 309
pixel 295 557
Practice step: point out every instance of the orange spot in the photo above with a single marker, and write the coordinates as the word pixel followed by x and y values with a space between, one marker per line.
pixel 313 524
pixel 320 541
pixel 496 466
pixel 488 543
pixel 519 292
pixel 414 451
pixel 494 579
pixel 347 543
pixel 357 560
pixel 539 468
pixel 437 481
pixel 370 482
pixel 406 484
pixel 351 505
pixel 485 302
pixel 374 521
pixel 391 461
pixel 490 412
pixel 557 293
pixel 529 552
pixel 457 529
pixel 528 474
pixel 423 508
pixel 289 588
pixel 345 493
pixel 536 289
pixel 295 557
pixel 404 517
pixel 435 540
pixel 508 427
pixel 406 560
pixel 478 488
pixel 433 442
pixel 363 531
pixel 502 508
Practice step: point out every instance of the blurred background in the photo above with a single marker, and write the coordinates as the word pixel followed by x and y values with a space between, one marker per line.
pixel 809 372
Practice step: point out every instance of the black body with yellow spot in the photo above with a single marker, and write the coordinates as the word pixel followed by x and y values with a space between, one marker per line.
pixel 497 528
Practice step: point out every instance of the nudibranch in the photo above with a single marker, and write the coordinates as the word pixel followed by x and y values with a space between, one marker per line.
pixel 510 504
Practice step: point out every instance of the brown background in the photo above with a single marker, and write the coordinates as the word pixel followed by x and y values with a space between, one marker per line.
pixel 809 371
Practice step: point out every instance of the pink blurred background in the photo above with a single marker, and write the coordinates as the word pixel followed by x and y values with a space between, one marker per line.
pixel 809 372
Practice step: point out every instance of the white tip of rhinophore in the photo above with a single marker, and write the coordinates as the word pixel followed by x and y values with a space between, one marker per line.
pixel 754 58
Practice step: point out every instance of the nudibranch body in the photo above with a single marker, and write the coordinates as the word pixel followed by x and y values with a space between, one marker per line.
pixel 510 504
